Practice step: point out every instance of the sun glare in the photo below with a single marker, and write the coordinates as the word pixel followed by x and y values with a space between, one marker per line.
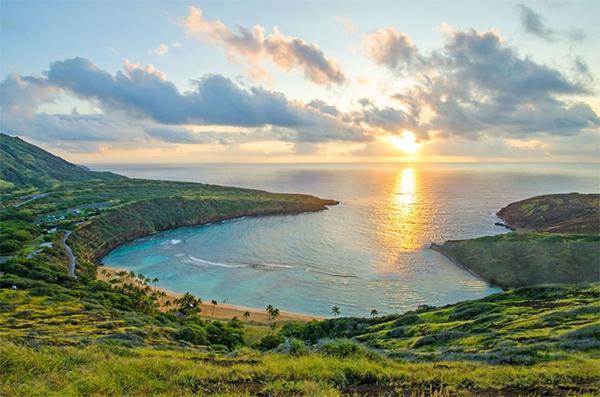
pixel 407 141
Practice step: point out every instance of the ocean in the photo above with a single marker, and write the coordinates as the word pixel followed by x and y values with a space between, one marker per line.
pixel 369 252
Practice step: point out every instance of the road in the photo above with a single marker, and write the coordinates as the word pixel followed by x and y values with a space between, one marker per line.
pixel 63 241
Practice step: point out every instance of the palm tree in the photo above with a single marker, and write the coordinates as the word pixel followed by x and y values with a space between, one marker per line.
pixel 214 306
pixel 246 315
pixel 154 281
pixel 374 312
pixel 275 313
pixel 336 311
pixel 189 304
pixel 269 310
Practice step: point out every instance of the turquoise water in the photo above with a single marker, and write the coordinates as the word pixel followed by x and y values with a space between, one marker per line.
pixel 369 252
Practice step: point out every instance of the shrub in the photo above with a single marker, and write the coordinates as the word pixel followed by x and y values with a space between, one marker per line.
pixel 270 342
pixel 340 348
pixel 407 319
pixel 296 348
pixel 10 246
pixel 440 338
pixel 192 333
pixel 470 311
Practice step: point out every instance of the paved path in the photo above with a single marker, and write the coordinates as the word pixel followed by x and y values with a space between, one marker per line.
pixel 63 241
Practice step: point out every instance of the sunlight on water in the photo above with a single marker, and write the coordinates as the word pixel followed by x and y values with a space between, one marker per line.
pixel 400 220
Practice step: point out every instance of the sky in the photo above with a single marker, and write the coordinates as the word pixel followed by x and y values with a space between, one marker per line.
pixel 289 81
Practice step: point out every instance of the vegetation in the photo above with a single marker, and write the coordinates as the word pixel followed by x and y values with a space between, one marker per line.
pixel 520 327
pixel 80 336
pixel 555 213
pixel 25 166
pixel 531 341
pixel 548 247
pixel 523 259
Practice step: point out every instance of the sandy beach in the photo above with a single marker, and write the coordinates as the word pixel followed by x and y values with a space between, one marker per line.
pixel 223 311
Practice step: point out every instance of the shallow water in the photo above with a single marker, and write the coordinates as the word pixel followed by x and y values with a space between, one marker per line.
pixel 370 252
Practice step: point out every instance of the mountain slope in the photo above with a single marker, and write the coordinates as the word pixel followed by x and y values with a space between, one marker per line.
pixel 556 241
pixel 555 213
pixel 23 166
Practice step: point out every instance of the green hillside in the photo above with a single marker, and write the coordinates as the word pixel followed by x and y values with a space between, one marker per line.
pixel 557 241
pixel 555 213
pixel 24 166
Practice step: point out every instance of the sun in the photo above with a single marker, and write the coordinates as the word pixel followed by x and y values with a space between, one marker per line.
pixel 407 141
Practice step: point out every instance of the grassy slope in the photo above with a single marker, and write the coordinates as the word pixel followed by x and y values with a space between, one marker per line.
pixel 555 213
pixel 559 243
pixel 523 342
pixel 24 166
pixel 522 259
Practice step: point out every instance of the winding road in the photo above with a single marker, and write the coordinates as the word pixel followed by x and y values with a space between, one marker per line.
pixel 63 241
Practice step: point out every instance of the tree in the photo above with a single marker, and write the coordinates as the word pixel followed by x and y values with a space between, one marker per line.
pixel 269 310
pixel 336 311
pixel 214 306
pixel 374 312
pixel 188 304
pixel 275 313
pixel 246 315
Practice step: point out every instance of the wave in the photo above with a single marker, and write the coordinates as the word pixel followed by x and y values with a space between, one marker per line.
pixel 217 264
pixel 175 241
pixel 314 270
pixel 262 266
pixel 272 266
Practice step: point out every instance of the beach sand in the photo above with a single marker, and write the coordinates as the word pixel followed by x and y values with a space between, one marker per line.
pixel 223 311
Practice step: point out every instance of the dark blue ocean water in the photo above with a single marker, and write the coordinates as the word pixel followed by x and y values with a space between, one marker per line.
pixel 370 252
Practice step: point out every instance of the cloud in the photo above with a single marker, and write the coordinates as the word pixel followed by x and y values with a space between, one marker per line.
pixel 178 135
pixel 160 50
pixel 324 107
pixel 387 120
pixel 142 102
pixel 21 95
pixel 390 48
pixel 349 26
pixel 533 24
pixel 84 129
pixel 478 86
pixel 286 52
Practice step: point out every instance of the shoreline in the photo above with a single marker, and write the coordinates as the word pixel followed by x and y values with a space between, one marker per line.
pixel 223 311
pixel 440 249
pixel 305 208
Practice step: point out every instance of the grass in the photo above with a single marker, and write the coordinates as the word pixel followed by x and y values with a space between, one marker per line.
pixel 103 370
pixel 523 259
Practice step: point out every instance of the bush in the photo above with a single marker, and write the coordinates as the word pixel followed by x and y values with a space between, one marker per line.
pixel 297 348
pixel 10 246
pixel 192 333
pixel 440 338
pixel 409 318
pixel 270 342
pixel 340 348
pixel 469 311
pixel 222 334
